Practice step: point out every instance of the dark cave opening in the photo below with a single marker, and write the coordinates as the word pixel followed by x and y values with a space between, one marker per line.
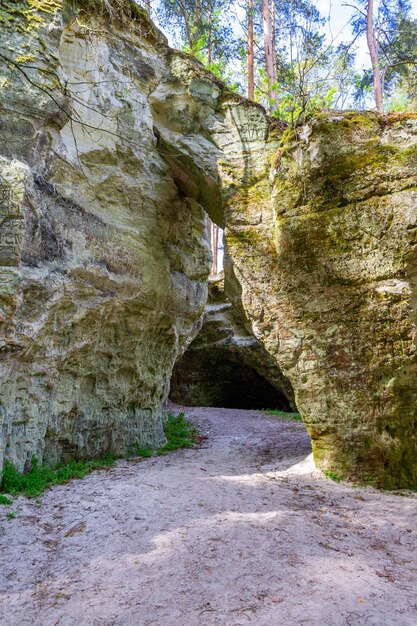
pixel 221 381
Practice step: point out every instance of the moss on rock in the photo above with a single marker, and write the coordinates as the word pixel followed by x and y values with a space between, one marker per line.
pixel 334 302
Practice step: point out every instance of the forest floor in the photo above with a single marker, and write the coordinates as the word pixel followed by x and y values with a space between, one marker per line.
pixel 242 530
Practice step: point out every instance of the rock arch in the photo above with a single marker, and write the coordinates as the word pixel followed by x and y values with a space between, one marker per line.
pixel 104 251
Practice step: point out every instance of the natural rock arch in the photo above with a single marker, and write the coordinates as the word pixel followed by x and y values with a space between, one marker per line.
pixel 104 254
pixel 225 365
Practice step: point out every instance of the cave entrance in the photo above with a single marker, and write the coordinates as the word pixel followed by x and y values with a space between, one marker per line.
pixel 207 378
pixel 225 366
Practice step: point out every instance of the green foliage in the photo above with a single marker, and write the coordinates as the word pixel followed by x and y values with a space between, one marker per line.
pixel 27 15
pixel 40 477
pixel 144 452
pixel 179 433
pixel 333 476
pixel 284 414
pixel 395 32
pixel 202 28
pixel 11 515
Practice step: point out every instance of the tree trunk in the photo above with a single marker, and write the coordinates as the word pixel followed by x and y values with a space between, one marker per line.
pixel 214 237
pixel 373 52
pixel 148 7
pixel 186 17
pixel 196 23
pixel 209 35
pixel 269 55
pixel 273 39
pixel 251 56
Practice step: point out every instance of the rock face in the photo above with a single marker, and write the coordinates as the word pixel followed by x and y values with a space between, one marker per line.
pixel 225 366
pixel 112 146
pixel 326 272
pixel 104 261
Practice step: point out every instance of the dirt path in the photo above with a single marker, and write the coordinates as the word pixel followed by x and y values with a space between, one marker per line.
pixel 241 531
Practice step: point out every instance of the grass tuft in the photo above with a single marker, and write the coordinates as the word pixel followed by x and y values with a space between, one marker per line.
pixel 146 453
pixel 40 477
pixel 179 434
pixel 284 414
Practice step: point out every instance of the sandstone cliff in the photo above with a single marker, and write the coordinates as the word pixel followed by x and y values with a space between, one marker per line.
pixel 112 147
pixel 326 272
pixel 103 258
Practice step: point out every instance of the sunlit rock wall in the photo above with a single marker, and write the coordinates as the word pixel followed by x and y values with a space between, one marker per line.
pixel 324 261
pixel 103 260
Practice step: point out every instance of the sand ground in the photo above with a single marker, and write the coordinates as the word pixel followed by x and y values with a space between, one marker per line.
pixel 240 531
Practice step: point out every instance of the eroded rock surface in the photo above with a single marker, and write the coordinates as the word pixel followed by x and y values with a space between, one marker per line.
pixel 104 261
pixel 110 147
pixel 326 272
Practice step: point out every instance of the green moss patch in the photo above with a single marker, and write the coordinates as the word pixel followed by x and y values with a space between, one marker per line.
pixel 27 15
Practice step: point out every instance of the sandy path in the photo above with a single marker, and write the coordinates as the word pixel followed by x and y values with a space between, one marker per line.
pixel 241 531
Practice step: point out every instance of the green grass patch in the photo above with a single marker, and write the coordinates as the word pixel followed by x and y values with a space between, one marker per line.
pixel 179 434
pixel 144 452
pixel 284 414
pixel 40 477
pixel 332 476
pixel 11 515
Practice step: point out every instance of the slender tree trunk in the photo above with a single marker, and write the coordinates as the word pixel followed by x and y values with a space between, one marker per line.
pixel 148 7
pixel 196 23
pixel 251 56
pixel 188 30
pixel 373 51
pixel 216 248
pixel 209 35
pixel 269 55
pixel 214 236
pixel 273 39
